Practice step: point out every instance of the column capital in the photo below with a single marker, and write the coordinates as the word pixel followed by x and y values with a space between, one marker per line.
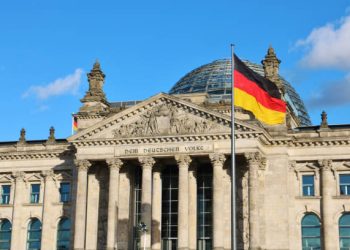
pixel 183 161
pixel 82 165
pixel 325 165
pixel 114 163
pixel 147 162
pixel 18 175
pixel 48 174
pixel 255 159
pixel 217 159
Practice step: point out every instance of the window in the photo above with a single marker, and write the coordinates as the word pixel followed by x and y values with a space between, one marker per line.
pixel 204 209
pixel 63 234
pixel 34 235
pixel 5 194
pixel 5 235
pixel 308 185
pixel 344 181
pixel 344 232
pixel 137 206
pixel 169 208
pixel 34 193
pixel 65 192
pixel 311 232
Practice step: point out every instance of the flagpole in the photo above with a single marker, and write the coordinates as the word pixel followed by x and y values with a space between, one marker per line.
pixel 233 157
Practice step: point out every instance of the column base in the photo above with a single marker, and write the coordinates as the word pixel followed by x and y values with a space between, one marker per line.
pixel 219 248
pixel 182 248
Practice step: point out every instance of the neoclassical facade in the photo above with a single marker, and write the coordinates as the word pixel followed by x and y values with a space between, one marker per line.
pixel 156 174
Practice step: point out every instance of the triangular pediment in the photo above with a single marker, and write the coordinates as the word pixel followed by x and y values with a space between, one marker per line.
pixel 160 116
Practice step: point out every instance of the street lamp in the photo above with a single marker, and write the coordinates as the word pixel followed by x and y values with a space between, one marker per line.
pixel 142 227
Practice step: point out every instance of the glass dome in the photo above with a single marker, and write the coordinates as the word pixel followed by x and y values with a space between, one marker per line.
pixel 215 79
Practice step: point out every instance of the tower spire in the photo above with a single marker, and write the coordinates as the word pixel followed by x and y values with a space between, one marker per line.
pixel 271 67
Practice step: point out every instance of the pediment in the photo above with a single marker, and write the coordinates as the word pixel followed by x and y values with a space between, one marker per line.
pixel 160 116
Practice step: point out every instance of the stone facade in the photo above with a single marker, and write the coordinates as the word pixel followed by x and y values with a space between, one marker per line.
pixel 124 167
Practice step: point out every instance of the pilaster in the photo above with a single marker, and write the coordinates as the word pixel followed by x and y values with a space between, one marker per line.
pixel 327 181
pixel 255 162
pixel 147 164
pixel 217 161
pixel 183 162
pixel 81 200
pixel 114 166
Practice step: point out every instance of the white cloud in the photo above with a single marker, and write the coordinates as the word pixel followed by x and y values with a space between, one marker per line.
pixel 328 46
pixel 65 85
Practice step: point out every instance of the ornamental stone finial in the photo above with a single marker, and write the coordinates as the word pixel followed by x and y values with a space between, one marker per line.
pixel 51 139
pixel 96 80
pixel 82 165
pixel 22 137
pixel 183 160
pixel 217 159
pixel 114 163
pixel 271 68
pixel 146 162
pixel 324 121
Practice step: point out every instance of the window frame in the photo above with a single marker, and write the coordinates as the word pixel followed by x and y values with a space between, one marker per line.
pixel 36 194
pixel 302 228
pixel 339 184
pixel 9 231
pixel 60 230
pixel 6 195
pixel 30 231
pixel 65 193
pixel 308 185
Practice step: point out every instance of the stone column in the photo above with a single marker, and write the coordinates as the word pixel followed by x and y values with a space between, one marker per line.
pixel 255 161
pixel 156 209
pixel 217 161
pixel 329 229
pixel 114 165
pixel 146 199
pixel 80 207
pixel 47 234
pixel 16 234
pixel 183 162
pixel 192 207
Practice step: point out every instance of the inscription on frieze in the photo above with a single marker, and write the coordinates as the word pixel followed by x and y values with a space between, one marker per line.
pixel 164 150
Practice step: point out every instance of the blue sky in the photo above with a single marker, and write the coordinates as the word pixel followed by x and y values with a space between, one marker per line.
pixel 144 47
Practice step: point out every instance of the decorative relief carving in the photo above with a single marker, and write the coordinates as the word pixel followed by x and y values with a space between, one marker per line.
pixel 183 161
pixel 217 160
pixel 114 163
pixel 165 119
pixel 82 165
pixel 147 162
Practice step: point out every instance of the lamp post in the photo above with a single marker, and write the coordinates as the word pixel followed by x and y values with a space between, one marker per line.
pixel 142 227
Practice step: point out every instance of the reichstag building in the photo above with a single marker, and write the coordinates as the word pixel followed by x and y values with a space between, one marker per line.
pixel 155 174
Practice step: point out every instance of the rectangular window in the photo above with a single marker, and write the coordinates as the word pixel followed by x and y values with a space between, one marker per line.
pixel 34 193
pixel 65 192
pixel 344 182
pixel 5 194
pixel 308 185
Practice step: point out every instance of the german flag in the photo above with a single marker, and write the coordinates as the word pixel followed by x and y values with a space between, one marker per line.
pixel 75 123
pixel 257 94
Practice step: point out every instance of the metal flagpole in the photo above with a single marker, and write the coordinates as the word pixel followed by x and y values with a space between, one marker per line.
pixel 233 157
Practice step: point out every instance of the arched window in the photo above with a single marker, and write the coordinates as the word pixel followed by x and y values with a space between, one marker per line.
pixel 311 232
pixel 34 235
pixel 63 234
pixel 344 232
pixel 5 234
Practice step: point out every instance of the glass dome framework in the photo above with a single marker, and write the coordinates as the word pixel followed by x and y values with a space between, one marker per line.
pixel 215 79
